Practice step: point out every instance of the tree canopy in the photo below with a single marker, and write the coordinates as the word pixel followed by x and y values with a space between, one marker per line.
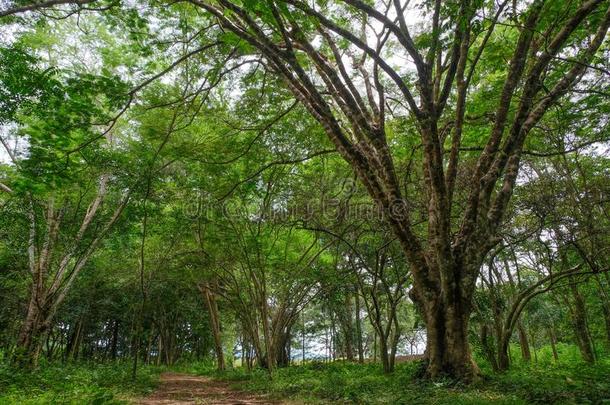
pixel 238 180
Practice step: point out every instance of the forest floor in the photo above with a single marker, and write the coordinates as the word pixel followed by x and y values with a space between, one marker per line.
pixel 540 381
pixel 543 380
pixel 176 388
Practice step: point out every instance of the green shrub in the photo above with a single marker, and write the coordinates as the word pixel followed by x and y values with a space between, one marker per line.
pixel 84 383
pixel 568 381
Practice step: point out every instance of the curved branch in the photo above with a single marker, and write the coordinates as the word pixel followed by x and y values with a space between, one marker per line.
pixel 41 5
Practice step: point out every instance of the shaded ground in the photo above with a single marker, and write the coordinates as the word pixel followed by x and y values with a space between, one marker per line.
pixel 189 389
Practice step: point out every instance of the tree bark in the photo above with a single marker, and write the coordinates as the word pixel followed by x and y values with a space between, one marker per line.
pixel 281 349
pixel 580 324
pixel 303 339
pixel 347 327
pixel 115 340
pixel 487 346
pixel 524 343
pixel 212 306
pixel 448 351
pixel 75 340
pixel 605 304
pixel 33 330
pixel 553 340
pixel 359 330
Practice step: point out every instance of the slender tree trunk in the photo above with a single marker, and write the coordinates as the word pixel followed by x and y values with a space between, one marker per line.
pixel 248 352
pixel 115 340
pixel 348 327
pixel 524 343
pixel 394 336
pixel 375 348
pixel 159 349
pixel 243 351
pixel 534 343
pixel 487 346
pixel 605 304
pixel 135 353
pixel 333 339
pixel 553 340
pixel 581 327
pixel 385 355
pixel 75 342
pixel 136 341
pixel 303 339
pixel 289 348
pixel 149 343
pixel 326 346
pixel 212 306
pixel 504 358
pixel 270 356
pixel 51 345
pixel 359 329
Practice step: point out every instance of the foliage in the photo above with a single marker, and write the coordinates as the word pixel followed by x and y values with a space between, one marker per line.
pixel 80 383
pixel 567 382
pixel 217 183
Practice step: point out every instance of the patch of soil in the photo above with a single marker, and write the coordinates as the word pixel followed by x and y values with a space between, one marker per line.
pixel 189 389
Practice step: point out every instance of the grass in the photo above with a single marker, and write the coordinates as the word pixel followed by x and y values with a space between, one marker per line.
pixel 569 381
pixel 363 384
pixel 82 383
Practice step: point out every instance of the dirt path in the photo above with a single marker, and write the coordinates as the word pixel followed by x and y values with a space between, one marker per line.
pixel 189 389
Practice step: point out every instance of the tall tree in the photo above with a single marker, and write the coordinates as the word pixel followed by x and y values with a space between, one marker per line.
pixel 375 83
pixel 309 46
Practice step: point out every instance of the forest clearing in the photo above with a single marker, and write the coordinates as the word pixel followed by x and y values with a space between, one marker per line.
pixel 304 201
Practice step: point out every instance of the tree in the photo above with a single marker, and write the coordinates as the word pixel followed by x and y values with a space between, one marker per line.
pixel 437 141
pixel 308 46
pixel 60 215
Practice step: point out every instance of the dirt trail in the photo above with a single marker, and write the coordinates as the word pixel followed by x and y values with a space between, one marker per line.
pixel 189 389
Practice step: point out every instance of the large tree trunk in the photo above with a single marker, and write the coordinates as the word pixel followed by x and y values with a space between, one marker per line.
pixel 503 354
pixel 281 348
pixel 448 352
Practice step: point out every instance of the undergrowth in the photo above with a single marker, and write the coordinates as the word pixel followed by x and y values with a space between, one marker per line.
pixel 541 381
pixel 544 381
pixel 80 383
